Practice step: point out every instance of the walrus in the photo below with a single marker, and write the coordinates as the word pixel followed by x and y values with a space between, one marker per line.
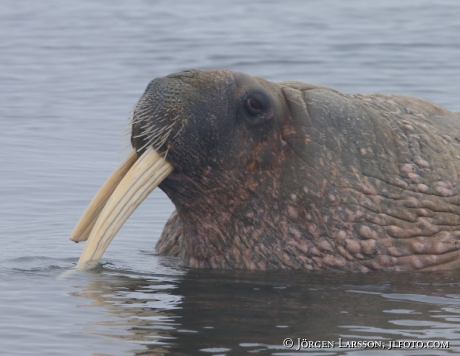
pixel 287 175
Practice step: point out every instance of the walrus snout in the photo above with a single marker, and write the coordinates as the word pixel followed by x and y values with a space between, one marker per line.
pixel 156 114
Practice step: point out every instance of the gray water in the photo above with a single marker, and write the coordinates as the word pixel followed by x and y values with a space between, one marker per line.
pixel 70 73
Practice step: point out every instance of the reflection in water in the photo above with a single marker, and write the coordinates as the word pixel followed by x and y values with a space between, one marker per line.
pixel 216 312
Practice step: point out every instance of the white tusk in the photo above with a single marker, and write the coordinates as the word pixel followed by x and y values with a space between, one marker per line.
pixel 143 177
pixel 88 219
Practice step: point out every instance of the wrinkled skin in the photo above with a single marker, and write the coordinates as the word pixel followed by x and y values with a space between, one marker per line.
pixel 297 176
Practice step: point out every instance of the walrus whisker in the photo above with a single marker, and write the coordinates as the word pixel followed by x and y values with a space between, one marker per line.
pixel 164 138
pixel 146 133
pixel 165 154
pixel 156 137
pixel 143 110
pixel 178 132
pixel 148 144
pixel 156 142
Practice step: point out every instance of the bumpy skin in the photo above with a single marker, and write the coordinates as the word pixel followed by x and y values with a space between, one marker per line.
pixel 298 176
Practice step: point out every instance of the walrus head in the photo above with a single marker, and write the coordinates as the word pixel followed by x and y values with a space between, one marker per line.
pixel 222 133
pixel 269 175
pixel 208 123
pixel 226 137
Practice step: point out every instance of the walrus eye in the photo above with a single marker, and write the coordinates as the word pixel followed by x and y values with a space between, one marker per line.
pixel 254 106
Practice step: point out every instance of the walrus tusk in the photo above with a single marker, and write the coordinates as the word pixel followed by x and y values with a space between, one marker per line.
pixel 143 177
pixel 88 219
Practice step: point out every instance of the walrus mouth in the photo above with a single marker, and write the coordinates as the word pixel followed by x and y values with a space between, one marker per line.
pixel 127 187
